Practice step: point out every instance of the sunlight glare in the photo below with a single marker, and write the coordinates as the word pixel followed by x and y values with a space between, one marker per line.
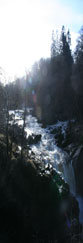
pixel 26 28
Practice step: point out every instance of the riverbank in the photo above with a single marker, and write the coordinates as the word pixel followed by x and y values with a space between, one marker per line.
pixel 36 203
pixel 69 137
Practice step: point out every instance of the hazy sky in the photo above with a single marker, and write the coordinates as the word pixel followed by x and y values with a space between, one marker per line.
pixel 26 27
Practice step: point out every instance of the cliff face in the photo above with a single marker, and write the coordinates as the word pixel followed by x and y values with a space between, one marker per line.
pixel 75 149
pixel 72 143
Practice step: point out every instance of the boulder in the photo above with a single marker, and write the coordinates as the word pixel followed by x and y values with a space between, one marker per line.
pixel 59 136
pixel 33 139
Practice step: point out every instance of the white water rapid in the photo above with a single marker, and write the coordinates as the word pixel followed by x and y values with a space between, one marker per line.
pixel 47 151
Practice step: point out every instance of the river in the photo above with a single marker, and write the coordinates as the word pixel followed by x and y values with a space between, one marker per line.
pixel 47 151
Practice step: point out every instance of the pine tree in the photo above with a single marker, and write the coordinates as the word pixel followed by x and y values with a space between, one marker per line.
pixel 77 77
pixel 65 46
pixel 79 50
pixel 53 46
pixel 57 41
pixel 79 58
pixel 69 38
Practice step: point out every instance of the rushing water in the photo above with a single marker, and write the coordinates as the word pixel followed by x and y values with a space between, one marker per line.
pixel 47 151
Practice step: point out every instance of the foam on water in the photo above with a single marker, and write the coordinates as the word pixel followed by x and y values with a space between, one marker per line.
pixel 47 151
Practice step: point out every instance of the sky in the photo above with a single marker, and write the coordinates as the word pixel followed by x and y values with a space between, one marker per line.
pixel 26 29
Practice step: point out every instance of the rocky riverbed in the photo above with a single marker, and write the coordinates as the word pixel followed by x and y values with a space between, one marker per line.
pixel 60 145
pixel 52 159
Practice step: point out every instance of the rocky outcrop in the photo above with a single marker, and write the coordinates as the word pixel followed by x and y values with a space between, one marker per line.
pixel 77 160
pixel 35 202
pixel 33 139
pixel 72 143
pixel 74 147
pixel 15 133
